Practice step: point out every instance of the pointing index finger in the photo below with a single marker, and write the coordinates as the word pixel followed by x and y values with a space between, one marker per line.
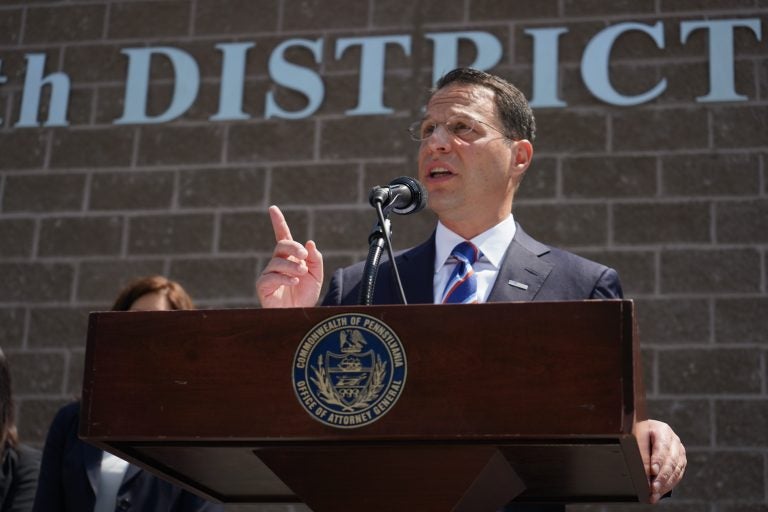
pixel 279 226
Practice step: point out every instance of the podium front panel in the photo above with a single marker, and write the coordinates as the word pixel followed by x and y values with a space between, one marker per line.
pixel 193 395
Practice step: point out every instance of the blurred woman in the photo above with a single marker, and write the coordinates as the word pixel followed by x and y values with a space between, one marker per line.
pixel 78 477
pixel 20 464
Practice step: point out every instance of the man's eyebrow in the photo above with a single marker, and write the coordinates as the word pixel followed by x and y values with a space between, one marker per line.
pixel 457 114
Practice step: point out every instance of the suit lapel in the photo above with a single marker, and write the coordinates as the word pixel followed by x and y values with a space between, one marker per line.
pixel 417 272
pixel 522 271
pixel 130 474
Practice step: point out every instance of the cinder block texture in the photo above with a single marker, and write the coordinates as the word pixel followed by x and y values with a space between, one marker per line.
pixel 57 328
pixel 17 236
pixel 34 373
pixel 35 416
pixel 214 278
pixel 77 236
pixel 28 282
pixel 741 320
pixel 44 193
pixel 100 147
pixel 214 188
pixel 711 371
pixel 607 177
pixel 160 234
pixel 674 321
pixel 665 223
pixel 141 20
pixel 131 191
pixel 12 327
pixel 100 281
pixel 707 271
pixel 60 24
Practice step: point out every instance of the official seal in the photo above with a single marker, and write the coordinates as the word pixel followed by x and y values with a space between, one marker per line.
pixel 349 370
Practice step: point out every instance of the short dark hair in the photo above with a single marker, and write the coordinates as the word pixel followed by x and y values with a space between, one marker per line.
pixel 8 433
pixel 177 297
pixel 514 110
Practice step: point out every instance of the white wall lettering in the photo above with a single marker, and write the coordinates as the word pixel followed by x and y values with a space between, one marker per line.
pixel 595 64
pixel 371 92
pixel 446 51
pixel 297 78
pixel 33 88
pixel 186 84
pixel 721 72
pixel 595 68
pixel 545 59
pixel 232 82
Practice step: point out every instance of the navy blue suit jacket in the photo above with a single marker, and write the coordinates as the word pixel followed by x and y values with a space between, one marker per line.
pixel 548 274
pixel 70 472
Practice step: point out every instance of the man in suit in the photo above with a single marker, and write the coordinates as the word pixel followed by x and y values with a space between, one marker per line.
pixel 476 144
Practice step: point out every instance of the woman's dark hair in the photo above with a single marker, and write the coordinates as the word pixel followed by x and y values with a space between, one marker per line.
pixel 177 297
pixel 8 434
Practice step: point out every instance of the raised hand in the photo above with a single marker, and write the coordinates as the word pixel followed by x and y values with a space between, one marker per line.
pixel 294 275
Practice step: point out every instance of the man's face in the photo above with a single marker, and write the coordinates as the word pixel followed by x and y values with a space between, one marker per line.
pixel 470 176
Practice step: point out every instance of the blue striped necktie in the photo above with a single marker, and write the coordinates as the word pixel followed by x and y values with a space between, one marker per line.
pixel 462 285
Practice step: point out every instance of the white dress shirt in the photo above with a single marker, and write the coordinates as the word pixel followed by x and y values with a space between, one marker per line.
pixel 492 243
pixel 112 473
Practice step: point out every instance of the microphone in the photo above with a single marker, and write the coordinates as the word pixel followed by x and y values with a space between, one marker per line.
pixel 403 195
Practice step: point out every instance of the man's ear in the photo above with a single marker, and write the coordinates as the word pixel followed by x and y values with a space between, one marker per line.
pixel 522 154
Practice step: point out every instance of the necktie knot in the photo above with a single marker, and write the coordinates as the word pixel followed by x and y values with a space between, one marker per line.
pixel 466 252
pixel 462 285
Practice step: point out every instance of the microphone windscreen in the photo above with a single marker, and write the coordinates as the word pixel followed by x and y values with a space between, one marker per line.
pixel 418 195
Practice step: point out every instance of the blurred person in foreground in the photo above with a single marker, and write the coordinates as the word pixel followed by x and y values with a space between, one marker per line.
pixel 20 463
pixel 78 477
pixel 475 146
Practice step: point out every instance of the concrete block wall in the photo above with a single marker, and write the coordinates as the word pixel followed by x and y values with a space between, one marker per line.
pixel 671 192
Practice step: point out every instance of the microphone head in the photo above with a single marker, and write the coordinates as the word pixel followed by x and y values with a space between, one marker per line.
pixel 418 195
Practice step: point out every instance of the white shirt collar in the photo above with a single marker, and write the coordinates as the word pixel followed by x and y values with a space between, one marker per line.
pixel 493 243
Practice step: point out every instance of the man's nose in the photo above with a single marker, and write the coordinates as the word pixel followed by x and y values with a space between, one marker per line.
pixel 440 140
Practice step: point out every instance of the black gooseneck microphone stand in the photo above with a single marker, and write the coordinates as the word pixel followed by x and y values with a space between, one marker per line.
pixel 379 237
pixel 404 195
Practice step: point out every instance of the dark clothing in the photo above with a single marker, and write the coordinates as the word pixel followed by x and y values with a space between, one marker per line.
pixel 70 472
pixel 18 478
pixel 546 272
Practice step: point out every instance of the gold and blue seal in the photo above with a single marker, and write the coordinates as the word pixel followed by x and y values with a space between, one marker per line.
pixel 349 370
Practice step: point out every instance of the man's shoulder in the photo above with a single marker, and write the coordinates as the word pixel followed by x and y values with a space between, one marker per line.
pixel 591 279
pixel 576 261
pixel 570 276
pixel 556 254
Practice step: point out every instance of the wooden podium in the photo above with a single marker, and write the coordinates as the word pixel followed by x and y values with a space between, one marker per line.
pixel 530 402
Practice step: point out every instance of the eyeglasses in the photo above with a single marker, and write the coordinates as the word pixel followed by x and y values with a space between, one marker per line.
pixel 458 126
